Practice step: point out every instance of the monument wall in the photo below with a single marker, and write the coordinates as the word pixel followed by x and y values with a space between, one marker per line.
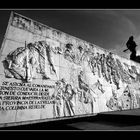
pixel 47 75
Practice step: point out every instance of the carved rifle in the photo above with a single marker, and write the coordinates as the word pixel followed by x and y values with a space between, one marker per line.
pixel 27 65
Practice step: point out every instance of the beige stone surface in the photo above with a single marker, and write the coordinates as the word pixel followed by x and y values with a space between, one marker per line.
pixel 11 45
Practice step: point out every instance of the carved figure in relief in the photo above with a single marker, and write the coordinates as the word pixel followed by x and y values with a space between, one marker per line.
pixel 80 48
pixel 112 69
pixel 15 63
pixel 106 66
pixel 97 89
pixel 95 64
pixel 69 101
pixel 137 97
pixel 83 91
pixel 57 50
pixel 134 75
pixel 64 99
pixel 98 62
pixel 86 54
pixel 79 55
pixel 123 73
pixel 92 64
pixel 109 61
pixel 25 63
pixel 103 66
pixel 58 99
pixel 88 93
pixel 128 100
pixel 83 86
pixel 68 53
pixel 21 22
pixel 114 103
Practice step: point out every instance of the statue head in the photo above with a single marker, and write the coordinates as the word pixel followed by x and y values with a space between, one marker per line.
pixel 131 38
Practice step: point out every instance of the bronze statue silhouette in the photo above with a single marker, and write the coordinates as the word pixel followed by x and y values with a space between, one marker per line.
pixel 131 46
pixel 135 57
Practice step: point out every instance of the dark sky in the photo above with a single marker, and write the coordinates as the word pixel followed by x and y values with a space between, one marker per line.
pixel 109 29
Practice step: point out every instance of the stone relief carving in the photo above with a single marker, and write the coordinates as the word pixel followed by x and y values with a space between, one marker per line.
pixel 112 70
pixel 65 98
pixel 114 103
pixel 77 54
pixel 21 22
pixel 127 100
pixel 72 94
pixel 69 53
pixel 25 63
pixel 35 59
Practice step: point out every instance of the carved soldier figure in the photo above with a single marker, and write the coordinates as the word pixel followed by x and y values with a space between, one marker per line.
pixel 25 63
pixel 79 55
pixel 69 101
pixel 69 52
pixel 126 98
pixel 95 64
pixel 103 66
pixel 83 86
pixel 49 57
pixel 109 66
pixel 123 74
pixel 32 62
pixel 16 62
pixel 114 103
pixel 58 99
pixel 98 61
pixel 92 64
